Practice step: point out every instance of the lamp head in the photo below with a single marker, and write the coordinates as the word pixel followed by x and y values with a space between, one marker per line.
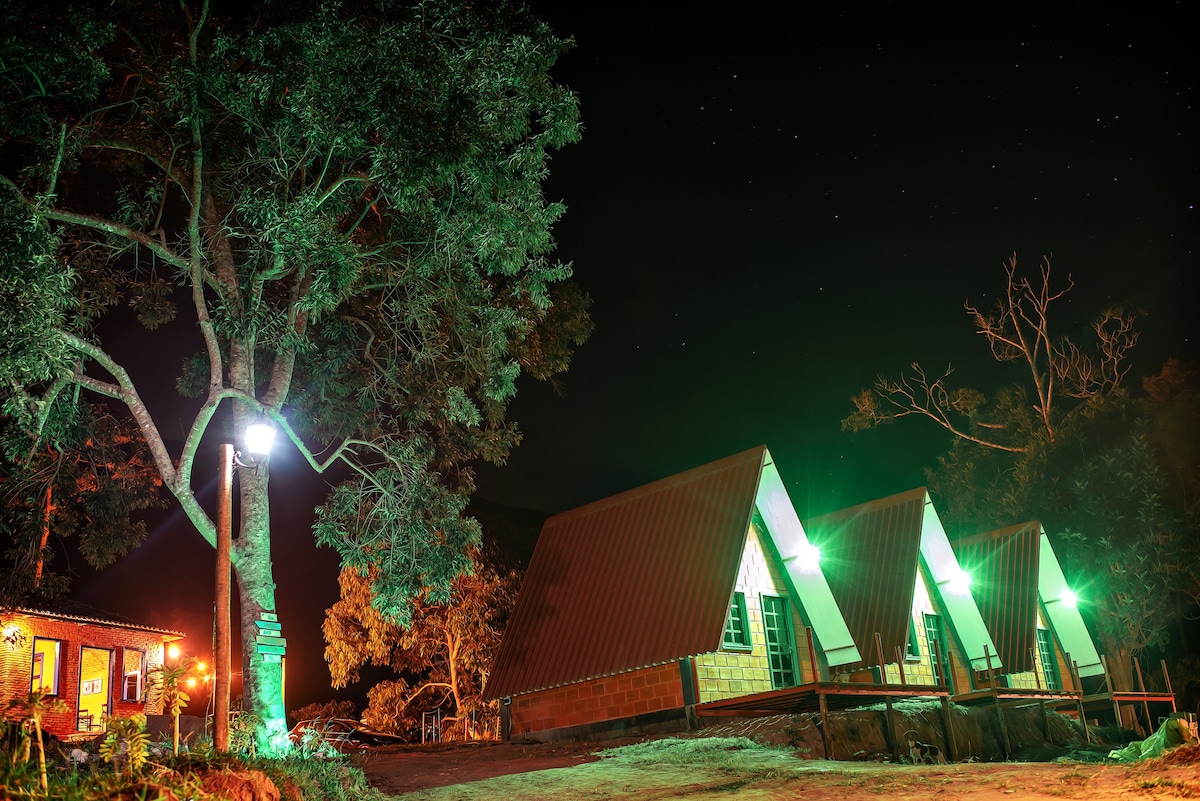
pixel 259 438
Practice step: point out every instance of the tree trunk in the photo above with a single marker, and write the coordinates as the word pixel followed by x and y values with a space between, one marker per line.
pixel 262 681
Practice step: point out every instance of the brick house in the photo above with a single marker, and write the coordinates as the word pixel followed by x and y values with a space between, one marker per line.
pixel 637 608
pixel 1028 608
pixel 95 661
pixel 917 624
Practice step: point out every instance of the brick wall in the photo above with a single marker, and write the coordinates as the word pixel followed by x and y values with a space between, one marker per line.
pixel 625 695
pixel 16 660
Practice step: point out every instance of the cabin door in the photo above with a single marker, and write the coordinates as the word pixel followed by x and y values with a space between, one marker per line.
pixel 939 652
pixel 95 687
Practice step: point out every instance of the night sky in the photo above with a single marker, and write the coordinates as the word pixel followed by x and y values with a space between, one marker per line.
pixel 769 212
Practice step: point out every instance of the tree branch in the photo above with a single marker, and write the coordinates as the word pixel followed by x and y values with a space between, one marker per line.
pixel 99 224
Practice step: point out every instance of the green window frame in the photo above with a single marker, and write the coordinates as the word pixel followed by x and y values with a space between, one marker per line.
pixel 737 625
pixel 1049 663
pixel 781 642
pixel 939 651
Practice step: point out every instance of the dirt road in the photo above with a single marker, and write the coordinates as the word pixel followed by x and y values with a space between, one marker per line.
pixel 505 772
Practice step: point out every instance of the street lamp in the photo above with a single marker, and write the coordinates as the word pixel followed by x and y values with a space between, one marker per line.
pixel 259 437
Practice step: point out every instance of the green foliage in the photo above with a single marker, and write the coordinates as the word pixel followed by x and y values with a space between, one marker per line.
pixel 126 743
pixel 242 728
pixel 344 203
pixel 32 709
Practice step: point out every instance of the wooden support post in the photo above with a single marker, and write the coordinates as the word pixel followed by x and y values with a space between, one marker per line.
pixel 826 737
pixel 891 728
pixel 1167 679
pixel 951 746
pixel 812 655
pixel 1112 694
pixel 1004 743
pixel 900 664
pixel 950 670
pixel 1087 734
pixel 1150 727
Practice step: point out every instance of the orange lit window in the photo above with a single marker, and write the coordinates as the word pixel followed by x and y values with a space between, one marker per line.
pixel 43 676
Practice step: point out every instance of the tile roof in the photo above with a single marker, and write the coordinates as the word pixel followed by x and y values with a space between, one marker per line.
pixel 1003 566
pixel 637 579
pixel 79 612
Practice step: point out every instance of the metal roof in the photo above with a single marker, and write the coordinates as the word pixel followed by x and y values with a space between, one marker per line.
pixel 1003 566
pixel 869 555
pixel 646 577
pixel 638 579
pixel 874 552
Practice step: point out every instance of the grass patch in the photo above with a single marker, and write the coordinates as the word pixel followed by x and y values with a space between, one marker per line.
pixel 735 755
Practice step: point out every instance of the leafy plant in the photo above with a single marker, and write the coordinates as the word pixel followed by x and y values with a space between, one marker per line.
pixel 242 726
pixel 168 681
pixel 33 708
pixel 126 743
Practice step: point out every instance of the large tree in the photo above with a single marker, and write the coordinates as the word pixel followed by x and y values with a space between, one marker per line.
pixel 339 205
pixel 1071 446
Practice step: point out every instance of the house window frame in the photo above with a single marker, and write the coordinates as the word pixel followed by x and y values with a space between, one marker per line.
pixel 37 666
pixel 736 636
pixel 139 674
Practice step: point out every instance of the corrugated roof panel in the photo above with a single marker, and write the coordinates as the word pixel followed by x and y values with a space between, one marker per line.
pixel 638 579
pixel 869 555
pixel 1003 566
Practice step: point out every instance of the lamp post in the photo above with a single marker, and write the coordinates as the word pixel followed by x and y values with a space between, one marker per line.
pixel 259 437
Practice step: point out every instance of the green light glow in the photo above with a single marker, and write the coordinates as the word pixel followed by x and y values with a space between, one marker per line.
pixel 810 556
pixel 959 583
pixel 1068 598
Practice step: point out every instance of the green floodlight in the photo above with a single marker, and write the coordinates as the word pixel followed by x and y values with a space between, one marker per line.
pixel 959 583
pixel 810 557
pixel 1068 598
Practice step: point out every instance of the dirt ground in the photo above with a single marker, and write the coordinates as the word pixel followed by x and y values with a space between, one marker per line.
pixel 512 771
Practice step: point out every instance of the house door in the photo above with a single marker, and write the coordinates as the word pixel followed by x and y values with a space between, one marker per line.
pixel 1049 663
pixel 939 653
pixel 781 646
pixel 95 687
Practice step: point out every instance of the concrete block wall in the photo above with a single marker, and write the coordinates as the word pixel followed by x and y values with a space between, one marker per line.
pixel 920 671
pixel 16 662
pixel 730 673
pixel 625 695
